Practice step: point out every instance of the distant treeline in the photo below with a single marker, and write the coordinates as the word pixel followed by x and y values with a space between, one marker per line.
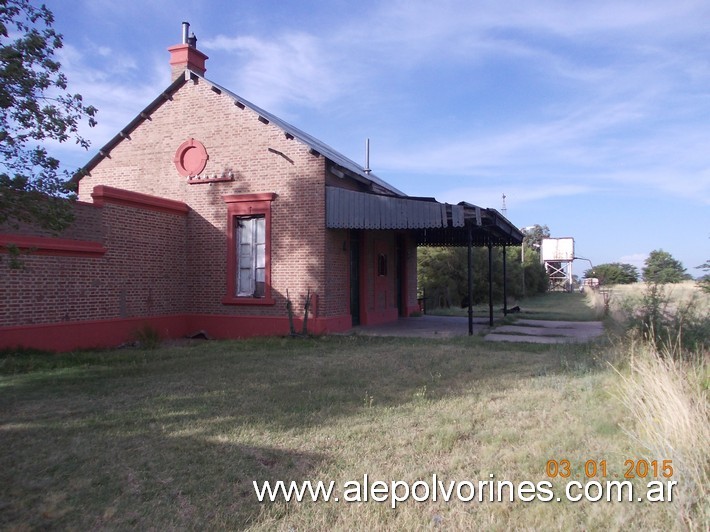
pixel 443 275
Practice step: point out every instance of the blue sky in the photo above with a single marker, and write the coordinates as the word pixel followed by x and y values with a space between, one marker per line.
pixel 593 118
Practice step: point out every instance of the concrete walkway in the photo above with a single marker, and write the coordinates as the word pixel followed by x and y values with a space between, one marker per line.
pixel 547 332
pixel 425 327
pixel 531 331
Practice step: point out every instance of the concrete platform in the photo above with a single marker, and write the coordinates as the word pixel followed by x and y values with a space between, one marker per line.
pixel 531 331
pixel 547 332
pixel 425 327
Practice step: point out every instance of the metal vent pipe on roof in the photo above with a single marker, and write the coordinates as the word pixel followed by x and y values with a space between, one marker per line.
pixel 185 31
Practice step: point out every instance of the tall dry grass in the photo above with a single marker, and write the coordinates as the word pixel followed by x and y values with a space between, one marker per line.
pixel 664 385
pixel 670 315
pixel 667 397
pixel 619 300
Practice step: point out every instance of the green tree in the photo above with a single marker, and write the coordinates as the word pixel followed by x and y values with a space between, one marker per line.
pixel 534 236
pixel 661 267
pixel 442 274
pixel 34 108
pixel 704 281
pixel 536 280
pixel 614 273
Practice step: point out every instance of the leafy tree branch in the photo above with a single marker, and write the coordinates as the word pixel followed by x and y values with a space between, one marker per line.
pixel 34 110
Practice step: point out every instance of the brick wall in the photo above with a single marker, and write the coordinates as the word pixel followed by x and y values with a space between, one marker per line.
pixel 262 160
pixel 140 273
pixel 335 301
pixel 158 263
pixel 86 225
pixel 146 262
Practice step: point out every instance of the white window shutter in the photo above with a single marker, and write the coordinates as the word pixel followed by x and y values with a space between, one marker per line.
pixel 251 256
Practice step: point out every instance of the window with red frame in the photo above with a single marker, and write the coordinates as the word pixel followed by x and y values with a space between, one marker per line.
pixel 249 249
pixel 251 256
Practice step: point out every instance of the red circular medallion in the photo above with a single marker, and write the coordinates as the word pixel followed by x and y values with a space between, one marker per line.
pixel 190 158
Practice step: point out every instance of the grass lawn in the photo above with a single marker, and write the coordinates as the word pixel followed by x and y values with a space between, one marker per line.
pixel 173 438
pixel 571 306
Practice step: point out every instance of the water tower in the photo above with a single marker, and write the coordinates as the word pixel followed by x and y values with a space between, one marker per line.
pixel 557 255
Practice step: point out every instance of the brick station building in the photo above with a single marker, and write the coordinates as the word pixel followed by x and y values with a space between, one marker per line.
pixel 207 213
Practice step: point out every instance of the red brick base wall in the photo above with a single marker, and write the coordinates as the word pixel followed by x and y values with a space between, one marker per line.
pixel 68 336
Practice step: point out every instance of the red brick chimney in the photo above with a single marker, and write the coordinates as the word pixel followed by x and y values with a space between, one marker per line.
pixel 186 55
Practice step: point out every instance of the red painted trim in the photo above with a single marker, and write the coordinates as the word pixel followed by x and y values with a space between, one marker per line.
pixel 234 300
pixel 218 326
pixel 247 205
pixel 248 198
pixel 103 194
pixel 71 335
pixel 41 245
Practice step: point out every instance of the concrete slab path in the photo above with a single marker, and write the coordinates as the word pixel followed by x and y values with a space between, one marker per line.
pixel 425 327
pixel 547 332
pixel 531 331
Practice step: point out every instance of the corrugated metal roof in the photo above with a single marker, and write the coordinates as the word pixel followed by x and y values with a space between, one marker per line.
pixel 432 223
pixel 310 141
pixel 348 209
pixel 302 136
pixel 458 215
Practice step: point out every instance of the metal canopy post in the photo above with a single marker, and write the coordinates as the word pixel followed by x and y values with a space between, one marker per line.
pixel 470 280
pixel 490 284
pixel 505 286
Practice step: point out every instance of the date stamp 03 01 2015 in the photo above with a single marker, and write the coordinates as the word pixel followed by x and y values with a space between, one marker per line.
pixel 592 468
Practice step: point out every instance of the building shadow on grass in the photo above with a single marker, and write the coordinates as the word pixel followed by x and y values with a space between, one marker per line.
pixel 91 478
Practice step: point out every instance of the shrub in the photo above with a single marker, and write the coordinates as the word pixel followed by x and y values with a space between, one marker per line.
pixel 673 326
pixel 147 337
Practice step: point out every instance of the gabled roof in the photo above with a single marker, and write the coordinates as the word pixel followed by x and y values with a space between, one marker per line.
pixel 310 141
pixel 385 207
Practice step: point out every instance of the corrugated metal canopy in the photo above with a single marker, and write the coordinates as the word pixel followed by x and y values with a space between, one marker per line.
pixel 348 209
pixel 431 223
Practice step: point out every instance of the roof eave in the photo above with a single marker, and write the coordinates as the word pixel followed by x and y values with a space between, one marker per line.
pixel 313 143
pixel 132 125
pixel 310 141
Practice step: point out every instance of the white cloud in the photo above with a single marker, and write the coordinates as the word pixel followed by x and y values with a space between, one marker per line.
pixel 112 85
pixel 516 195
pixel 623 80
pixel 288 69
pixel 420 20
